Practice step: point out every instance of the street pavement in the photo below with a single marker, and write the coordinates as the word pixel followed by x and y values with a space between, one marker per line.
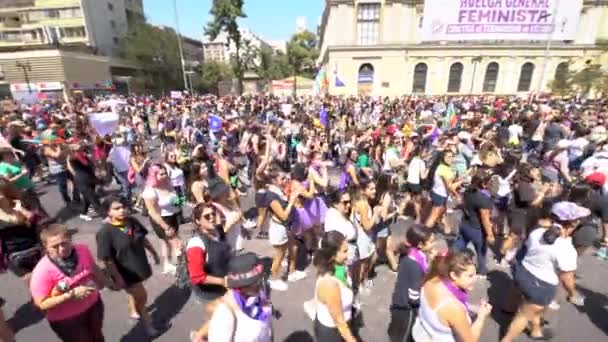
pixel 168 303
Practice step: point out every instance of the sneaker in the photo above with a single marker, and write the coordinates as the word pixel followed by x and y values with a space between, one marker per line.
pixel 296 275
pixel 278 285
pixel 602 253
pixel 554 305
pixel 249 224
pixel 85 217
pixel 577 300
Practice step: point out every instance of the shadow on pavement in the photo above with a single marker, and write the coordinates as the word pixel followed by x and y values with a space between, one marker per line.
pixel 299 336
pixel 498 295
pixel 596 307
pixel 25 316
pixel 166 306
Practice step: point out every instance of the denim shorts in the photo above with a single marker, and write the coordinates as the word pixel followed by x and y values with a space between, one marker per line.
pixel 438 200
pixel 534 290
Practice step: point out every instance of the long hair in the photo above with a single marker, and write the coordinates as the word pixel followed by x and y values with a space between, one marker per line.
pixel 454 261
pixel 324 259
pixel 414 237
pixel 152 180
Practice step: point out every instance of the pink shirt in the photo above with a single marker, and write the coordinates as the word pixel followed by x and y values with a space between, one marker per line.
pixel 47 275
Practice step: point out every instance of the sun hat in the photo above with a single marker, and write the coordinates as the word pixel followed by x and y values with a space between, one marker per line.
pixel 244 270
pixel 596 178
pixel 568 211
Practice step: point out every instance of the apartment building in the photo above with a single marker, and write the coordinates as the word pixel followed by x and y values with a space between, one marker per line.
pixel 69 44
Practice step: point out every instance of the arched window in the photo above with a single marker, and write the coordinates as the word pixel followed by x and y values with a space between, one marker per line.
pixel 525 77
pixel 489 81
pixel 455 78
pixel 562 70
pixel 420 71
pixel 366 74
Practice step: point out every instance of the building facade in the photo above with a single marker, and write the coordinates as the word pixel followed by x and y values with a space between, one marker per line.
pixel 382 53
pixel 221 48
pixel 73 43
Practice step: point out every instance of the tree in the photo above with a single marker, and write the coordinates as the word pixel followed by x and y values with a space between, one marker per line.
pixel 562 84
pixel 302 54
pixel 155 51
pixel 272 65
pixel 589 78
pixel 212 72
pixel 225 14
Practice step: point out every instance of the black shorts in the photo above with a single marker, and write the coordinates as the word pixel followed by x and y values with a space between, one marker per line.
pixel 414 189
pixel 534 290
pixel 172 221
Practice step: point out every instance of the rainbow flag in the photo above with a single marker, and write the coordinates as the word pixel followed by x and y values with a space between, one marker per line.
pixel 321 83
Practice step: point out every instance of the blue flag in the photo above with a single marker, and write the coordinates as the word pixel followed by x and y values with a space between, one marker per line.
pixel 323 116
pixel 339 82
pixel 215 123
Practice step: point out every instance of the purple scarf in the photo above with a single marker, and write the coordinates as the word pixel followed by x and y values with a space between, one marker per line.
pixel 254 307
pixel 419 258
pixel 459 293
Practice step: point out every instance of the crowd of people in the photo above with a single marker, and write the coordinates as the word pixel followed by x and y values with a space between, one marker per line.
pixel 518 183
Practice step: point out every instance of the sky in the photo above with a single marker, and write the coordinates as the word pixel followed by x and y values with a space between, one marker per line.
pixel 269 19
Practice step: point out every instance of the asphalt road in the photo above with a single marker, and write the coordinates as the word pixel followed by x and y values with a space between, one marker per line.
pixel 167 303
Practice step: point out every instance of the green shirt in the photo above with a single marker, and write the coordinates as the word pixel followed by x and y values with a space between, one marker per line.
pixel 9 171
pixel 362 161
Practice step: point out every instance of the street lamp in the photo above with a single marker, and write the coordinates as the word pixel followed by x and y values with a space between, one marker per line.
pixel 475 61
pixel 189 75
pixel 26 67
pixel 548 47
pixel 179 44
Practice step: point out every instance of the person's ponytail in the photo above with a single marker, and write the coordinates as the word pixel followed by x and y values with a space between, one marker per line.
pixel 551 234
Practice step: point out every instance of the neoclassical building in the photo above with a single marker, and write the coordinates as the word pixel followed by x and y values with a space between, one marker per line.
pixel 375 47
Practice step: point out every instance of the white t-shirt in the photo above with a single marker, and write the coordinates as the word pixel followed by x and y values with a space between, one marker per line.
pixel 577 147
pixel 119 156
pixel 515 132
pixel 165 202
pixel 176 175
pixel 391 155
pixel 222 326
pixel 415 170
pixel 334 220
pixel 544 261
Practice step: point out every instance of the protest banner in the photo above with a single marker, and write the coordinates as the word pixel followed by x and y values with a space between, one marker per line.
pixel 459 20
pixel 176 95
pixel 104 123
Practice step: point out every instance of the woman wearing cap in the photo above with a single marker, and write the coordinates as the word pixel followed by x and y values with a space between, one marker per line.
pixel 333 291
pixel 207 256
pixel 444 301
pixel 163 205
pixel 550 258
pixel 65 285
pixel 244 313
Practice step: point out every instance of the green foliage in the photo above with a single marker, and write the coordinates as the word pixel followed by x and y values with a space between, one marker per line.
pixel 562 84
pixel 155 51
pixel 589 78
pixel 272 65
pixel 225 15
pixel 302 53
pixel 212 72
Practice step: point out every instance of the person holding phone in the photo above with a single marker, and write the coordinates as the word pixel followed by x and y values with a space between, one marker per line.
pixel 65 285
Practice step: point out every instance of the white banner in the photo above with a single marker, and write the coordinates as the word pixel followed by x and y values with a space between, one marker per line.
pixel 177 95
pixel 104 123
pixel 446 20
